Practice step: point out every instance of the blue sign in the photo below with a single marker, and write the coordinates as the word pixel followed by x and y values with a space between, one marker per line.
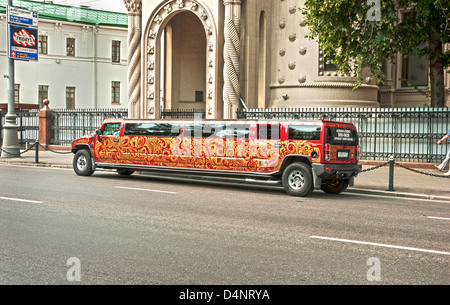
pixel 22 16
pixel 23 43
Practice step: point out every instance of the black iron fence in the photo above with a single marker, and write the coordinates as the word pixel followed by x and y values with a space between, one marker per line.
pixel 408 134
pixel 72 124
pixel 183 114
pixel 28 124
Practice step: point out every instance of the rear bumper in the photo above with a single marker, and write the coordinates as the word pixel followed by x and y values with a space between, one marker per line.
pixel 336 171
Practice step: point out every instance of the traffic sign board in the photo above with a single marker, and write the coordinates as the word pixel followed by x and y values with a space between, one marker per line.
pixel 22 16
pixel 23 43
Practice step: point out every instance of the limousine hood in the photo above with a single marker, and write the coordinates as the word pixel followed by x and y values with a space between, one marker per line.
pixel 83 141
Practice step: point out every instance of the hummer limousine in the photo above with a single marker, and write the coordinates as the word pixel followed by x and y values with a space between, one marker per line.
pixel 302 155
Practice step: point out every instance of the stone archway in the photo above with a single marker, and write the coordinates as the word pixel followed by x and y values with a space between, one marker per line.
pixel 153 59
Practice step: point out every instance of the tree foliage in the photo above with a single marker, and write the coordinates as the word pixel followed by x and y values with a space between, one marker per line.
pixel 365 33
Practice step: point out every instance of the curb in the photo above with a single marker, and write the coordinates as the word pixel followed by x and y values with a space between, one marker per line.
pixel 49 165
pixel 398 194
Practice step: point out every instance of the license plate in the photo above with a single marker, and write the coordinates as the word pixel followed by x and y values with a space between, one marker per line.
pixel 343 154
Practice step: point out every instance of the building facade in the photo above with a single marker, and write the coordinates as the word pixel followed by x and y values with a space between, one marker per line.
pixel 82 59
pixel 219 55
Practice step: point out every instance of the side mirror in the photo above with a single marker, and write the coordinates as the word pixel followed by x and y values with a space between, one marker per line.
pixel 99 133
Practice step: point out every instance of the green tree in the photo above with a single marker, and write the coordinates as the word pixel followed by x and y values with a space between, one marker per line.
pixel 365 33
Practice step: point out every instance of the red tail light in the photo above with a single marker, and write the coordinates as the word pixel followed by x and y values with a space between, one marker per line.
pixel 327 152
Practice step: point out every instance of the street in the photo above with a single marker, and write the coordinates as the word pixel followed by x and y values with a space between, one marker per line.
pixel 144 230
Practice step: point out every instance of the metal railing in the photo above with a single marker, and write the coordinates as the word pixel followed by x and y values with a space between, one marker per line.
pixel 407 134
pixel 72 124
pixel 183 113
pixel 28 124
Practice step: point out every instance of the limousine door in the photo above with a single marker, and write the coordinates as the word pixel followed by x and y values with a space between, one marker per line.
pixel 191 147
pixel 267 147
pixel 107 148
pixel 226 146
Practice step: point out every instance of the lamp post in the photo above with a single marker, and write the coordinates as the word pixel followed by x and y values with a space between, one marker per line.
pixel 10 147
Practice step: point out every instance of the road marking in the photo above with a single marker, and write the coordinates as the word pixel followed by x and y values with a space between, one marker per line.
pixel 144 190
pixel 21 200
pixel 434 217
pixel 380 245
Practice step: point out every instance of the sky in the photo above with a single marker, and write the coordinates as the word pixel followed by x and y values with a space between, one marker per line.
pixel 106 5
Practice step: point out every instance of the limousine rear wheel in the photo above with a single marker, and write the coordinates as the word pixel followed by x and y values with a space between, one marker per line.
pixel 334 186
pixel 297 180
pixel 82 163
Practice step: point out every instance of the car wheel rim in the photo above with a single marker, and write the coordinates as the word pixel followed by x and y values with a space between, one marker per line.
pixel 81 162
pixel 296 180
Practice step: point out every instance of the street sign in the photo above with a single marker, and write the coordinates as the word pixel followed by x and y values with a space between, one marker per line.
pixel 23 43
pixel 22 16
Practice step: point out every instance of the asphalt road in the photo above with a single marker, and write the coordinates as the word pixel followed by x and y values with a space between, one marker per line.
pixel 58 228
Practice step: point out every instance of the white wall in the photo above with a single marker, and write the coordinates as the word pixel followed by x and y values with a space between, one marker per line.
pixel 59 71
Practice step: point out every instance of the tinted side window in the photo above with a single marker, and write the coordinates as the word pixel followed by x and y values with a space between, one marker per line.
pixel 227 131
pixel 269 132
pixel 311 133
pixel 193 131
pixel 152 129
pixel 111 129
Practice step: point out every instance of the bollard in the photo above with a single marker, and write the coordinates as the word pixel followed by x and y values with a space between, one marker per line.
pixel 391 173
pixel 36 156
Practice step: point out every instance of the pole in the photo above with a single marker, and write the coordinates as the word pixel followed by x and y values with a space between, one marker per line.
pixel 10 145
pixel 391 174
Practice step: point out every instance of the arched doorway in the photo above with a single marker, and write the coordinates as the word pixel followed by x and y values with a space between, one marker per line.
pixel 180 60
pixel 184 63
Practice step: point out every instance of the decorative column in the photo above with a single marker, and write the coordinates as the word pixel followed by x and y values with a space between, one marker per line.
pixel 232 55
pixel 134 8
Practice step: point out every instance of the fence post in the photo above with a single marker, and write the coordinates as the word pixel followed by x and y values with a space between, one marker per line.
pixel 45 125
pixel 36 155
pixel 391 173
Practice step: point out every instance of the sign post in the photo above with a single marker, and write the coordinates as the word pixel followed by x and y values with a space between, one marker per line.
pixel 23 42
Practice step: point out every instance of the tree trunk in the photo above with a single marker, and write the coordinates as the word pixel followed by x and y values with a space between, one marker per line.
pixel 437 72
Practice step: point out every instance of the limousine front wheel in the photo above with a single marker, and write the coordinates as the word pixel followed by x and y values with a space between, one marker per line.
pixel 297 180
pixel 82 163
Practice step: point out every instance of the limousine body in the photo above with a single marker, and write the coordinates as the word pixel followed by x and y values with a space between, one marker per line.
pixel 301 154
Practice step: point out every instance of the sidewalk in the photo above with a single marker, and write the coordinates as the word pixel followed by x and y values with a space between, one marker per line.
pixel 406 183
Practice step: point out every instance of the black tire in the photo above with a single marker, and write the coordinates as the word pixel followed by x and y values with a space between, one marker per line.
pixel 334 186
pixel 124 172
pixel 297 180
pixel 82 163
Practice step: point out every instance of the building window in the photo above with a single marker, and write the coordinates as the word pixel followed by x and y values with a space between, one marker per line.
pixel 328 61
pixel 42 95
pixel 16 93
pixel 43 44
pixel 414 71
pixel 116 51
pixel 199 96
pixel 70 47
pixel 70 97
pixel 115 93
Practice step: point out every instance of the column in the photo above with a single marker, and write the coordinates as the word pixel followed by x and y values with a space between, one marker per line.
pixel 134 8
pixel 232 55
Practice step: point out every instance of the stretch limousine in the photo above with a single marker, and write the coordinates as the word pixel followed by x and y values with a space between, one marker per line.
pixel 301 154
